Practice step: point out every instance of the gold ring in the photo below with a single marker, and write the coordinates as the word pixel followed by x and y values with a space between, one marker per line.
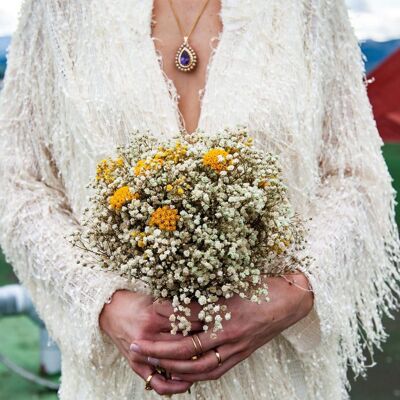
pixel 200 345
pixel 147 385
pixel 218 357
pixel 196 349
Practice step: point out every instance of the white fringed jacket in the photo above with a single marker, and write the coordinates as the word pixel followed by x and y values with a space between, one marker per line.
pixel 83 73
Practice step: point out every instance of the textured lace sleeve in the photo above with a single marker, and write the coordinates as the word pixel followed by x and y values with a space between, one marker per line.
pixel 34 210
pixel 353 235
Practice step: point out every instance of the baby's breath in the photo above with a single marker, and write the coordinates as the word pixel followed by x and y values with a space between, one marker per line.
pixel 196 218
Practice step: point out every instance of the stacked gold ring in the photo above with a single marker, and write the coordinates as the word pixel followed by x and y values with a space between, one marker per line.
pixel 199 343
pixel 196 349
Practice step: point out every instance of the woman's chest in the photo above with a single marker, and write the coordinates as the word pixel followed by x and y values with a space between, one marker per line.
pixel 260 76
pixel 185 36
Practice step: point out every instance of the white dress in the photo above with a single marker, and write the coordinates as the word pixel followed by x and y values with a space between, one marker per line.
pixel 82 74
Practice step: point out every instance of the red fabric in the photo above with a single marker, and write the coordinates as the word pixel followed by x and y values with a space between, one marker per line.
pixel 384 94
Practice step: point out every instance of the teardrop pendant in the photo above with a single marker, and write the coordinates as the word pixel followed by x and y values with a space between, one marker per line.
pixel 186 57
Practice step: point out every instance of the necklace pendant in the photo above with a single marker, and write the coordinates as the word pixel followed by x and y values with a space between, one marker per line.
pixel 186 57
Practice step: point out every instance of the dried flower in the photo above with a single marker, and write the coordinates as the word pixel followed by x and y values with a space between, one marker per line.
pixel 122 196
pixel 165 218
pixel 213 220
pixel 216 159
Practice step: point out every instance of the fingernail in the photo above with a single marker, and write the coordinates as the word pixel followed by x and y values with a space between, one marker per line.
pixel 153 361
pixel 175 378
pixel 134 347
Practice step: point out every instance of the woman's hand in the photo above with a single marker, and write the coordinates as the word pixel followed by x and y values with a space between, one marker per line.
pixel 131 317
pixel 251 326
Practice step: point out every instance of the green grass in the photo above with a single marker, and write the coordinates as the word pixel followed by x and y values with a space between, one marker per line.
pixel 391 152
pixel 19 340
pixel 382 381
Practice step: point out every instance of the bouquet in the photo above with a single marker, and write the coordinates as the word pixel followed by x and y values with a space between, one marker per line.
pixel 197 218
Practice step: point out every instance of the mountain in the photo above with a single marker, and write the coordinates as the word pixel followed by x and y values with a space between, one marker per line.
pixel 376 52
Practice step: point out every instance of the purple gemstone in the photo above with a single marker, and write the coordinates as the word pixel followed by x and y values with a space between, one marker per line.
pixel 184 58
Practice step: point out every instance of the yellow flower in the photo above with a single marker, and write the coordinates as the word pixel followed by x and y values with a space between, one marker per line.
pixel 106 167
pixel 180 152
pixel 122 196
pixel 176 186
pixel 165 218
pixel 174 154
pixel 119 162
pixel 216 159
pixel 139 237
pixel 146 165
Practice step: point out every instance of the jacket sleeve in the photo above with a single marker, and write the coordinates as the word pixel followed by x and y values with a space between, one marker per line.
pixel 353 237
pixel 34 210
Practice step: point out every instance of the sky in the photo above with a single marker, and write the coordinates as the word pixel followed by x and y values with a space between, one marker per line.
pixel 372 19
pixel 375 19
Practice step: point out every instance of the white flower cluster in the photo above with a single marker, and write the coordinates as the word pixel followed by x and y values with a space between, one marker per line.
pixel 198 218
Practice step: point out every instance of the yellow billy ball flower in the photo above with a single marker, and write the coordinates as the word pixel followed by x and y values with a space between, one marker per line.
pixel 122 196
pixel 119 162
pixel 180 191
pixel 169 188
pixel 216 159
pixel 174 154
pixel 146 165
pixel 106 167
pixel 165 218
pixel 140 165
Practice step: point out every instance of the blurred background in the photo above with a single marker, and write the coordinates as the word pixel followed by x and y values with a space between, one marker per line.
pixel 29 361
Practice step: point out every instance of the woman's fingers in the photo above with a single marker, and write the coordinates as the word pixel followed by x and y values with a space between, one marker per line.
pixel 166 336
pixel 206 363
pixel 161 385
pixel 178 349
pixel 196 326
pixel 163 308
pixel 158 382
pixel 216 373
pixel 183 349
pixel 156 323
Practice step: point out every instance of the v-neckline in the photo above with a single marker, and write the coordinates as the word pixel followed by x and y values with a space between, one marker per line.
pixel 164 80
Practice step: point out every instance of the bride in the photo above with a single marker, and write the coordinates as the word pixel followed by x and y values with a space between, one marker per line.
pixel 83 74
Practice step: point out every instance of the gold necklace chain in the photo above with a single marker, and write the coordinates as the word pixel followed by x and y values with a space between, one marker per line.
pixel 186 57
pixel 194 23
